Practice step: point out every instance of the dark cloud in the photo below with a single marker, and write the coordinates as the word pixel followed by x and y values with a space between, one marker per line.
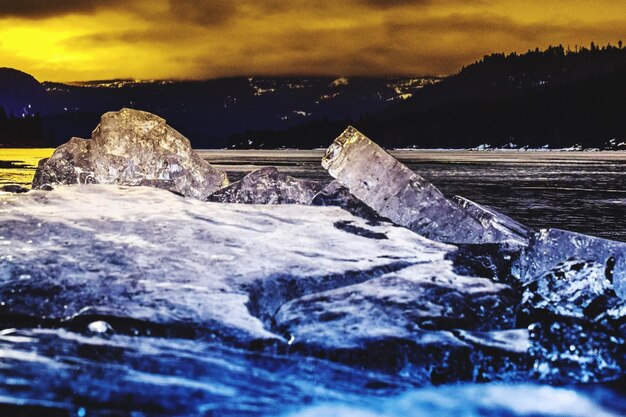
pixel 204 12
pixel 386 4
pixel 157 36
pixel 477 26
pixel 40 9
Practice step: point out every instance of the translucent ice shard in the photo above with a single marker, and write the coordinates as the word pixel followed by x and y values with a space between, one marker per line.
pixel 268 186
pixel 549 248
pixel 131 147
pixel 396 192
pixel 489 217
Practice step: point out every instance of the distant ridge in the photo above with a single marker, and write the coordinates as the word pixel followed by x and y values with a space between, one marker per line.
pixel 556 97
pixel 20 93
pixel 207 112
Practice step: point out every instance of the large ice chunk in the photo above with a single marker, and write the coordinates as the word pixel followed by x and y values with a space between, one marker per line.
pixel 138 260
pixel 549 249
pixel 268 186
pixel 396 192
pixel 131 147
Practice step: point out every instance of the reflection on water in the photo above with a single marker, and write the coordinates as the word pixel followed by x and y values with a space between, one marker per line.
pixel 17 166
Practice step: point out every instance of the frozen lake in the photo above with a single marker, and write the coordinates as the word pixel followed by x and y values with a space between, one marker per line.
pixel 581 191
pixel 162 357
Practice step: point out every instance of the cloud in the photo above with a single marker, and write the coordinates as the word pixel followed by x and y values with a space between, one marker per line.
pixel 213 38
pixel 133 37
pixel 41 9
pixel 202 11
pixel 488 27
pixel 385 4
pixel 389 4
pixel 158 12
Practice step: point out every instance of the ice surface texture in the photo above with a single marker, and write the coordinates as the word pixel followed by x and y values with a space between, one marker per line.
pixel 150 255
pixel 311 279
pixel 131 147
pixel 473 401
pixel 56 372
pixel 573 298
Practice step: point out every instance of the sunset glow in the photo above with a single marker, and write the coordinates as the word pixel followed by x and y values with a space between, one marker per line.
pixel 69 40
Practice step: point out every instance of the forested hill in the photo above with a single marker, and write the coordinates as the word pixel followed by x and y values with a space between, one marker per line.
pixel 556 97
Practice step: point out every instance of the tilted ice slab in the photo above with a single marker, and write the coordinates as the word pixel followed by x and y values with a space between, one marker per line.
pixel 396 192
pixel 82 253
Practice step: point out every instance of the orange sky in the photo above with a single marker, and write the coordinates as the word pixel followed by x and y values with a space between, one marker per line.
pixel 71 40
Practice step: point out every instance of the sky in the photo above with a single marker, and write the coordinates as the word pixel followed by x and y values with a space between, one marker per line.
pixel 74 40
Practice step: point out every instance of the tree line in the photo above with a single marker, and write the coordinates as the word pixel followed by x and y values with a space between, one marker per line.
pixel 26 131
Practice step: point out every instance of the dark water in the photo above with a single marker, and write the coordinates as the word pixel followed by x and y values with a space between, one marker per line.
pixel 66 371
pixel 581 191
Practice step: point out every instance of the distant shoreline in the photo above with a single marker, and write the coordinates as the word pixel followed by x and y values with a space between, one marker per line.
pixel 489 150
